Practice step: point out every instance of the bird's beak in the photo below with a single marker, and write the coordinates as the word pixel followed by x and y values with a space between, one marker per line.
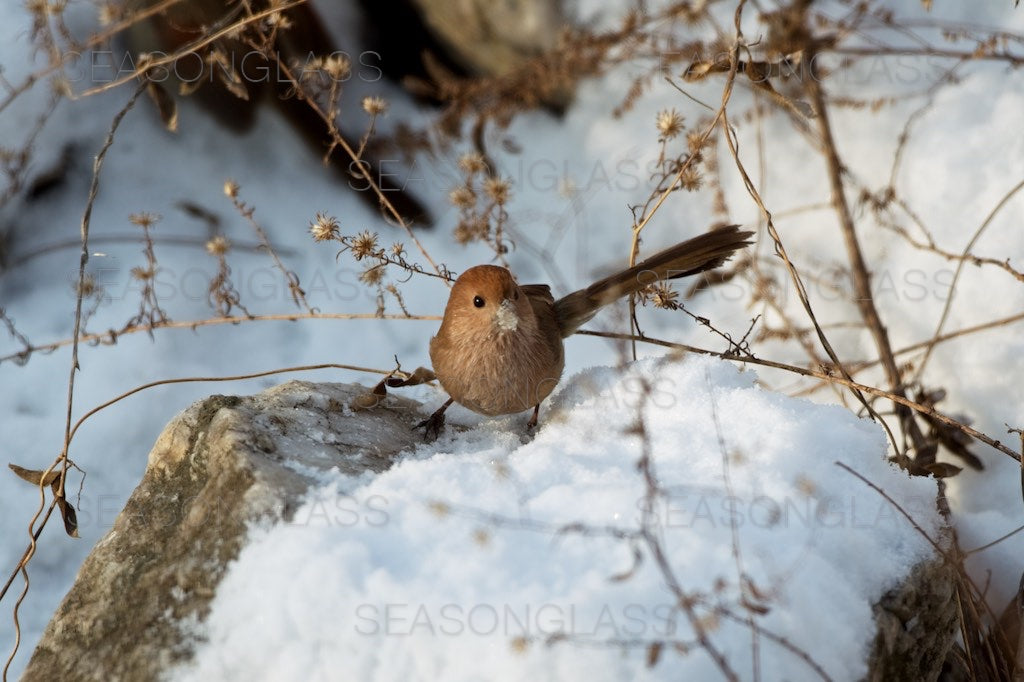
pixel 506 319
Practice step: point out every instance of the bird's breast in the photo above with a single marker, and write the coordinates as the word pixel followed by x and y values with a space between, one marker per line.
pixel 497 371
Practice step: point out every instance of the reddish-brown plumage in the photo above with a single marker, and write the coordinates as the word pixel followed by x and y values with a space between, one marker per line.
pixel 499 349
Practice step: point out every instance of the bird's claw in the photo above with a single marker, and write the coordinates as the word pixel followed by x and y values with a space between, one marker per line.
pixel 432 426
pixel 532 424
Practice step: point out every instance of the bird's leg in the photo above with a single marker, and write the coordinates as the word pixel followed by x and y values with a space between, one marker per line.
pixel 530 425
pixel 433 424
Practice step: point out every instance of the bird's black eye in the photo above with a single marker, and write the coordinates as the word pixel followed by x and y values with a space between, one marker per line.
pixel 478 301
pixel 516 295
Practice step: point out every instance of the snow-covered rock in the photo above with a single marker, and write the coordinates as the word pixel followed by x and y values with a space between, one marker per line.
pixel 286 537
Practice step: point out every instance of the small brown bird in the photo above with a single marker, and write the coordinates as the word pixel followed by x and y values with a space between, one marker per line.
pixel 499 349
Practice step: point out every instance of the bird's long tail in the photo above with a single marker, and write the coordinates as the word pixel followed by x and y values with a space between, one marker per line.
pixel 703 252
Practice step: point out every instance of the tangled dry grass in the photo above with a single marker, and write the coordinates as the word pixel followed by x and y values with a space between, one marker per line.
pixel 779 78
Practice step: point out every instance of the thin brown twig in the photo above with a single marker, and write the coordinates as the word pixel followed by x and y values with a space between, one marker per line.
pixel 685 167
pixel 861 278
pixel 248 212
pixel 780 250
pixel 959 268
pixel 360 168
pixel 111 336
pixel 26 557
pixel 57 64
pixel 826 376
pixel 232 26
pixel 62 459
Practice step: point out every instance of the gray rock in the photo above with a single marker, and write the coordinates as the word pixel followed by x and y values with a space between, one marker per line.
pixel 493 38
pixel 221 465
pixel 916 625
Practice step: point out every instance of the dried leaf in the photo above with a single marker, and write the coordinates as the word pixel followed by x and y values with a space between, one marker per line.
pixel 67 512
pixel 926 454
pixel 35 476
pixel 165 105
pixel 654 653
pixel 372 398
pixel 753 598
pixel 638 559
pixel 420 375
pixel 942 469
pixel 701 68
pixel 759 609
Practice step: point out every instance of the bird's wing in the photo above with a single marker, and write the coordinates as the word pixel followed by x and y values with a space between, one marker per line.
pixel 538 293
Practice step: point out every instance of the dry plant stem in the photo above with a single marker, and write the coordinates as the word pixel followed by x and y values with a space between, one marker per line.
pixel 932 52
pixel 110 337
pixel 825 376
pixel 798 284
pixel 964 257
pixel 360 168
pixel 247 212
pixel 638 227
pixel 231 28
pixel 903 512
pixel 16 172
pixel 959 268
pixel 17 624
pixel 934 341
pixel 62 459
pixel 57 64
pixel 26 256
pixel 83 261
pixel 26 557
pixel 861 278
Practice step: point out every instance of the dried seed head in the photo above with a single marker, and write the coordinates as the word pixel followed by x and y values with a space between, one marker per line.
pixel 337 66
pixel 372 275
pixel 670 123
pixel 218 246
pixel 664 296
pixel 439 508
pixel 567 188
pixel 88 286
pixel 144 220
pixel 398 249
pixel 471 229
pixel 324 227
pixel 364 244
pixel 691 179
pixel 462 197
pixel 109 12
pixel 472 163
pixel 497 189
pixel 375 106
pixel 520 645
pixel 143 274
pixel 279 20
pixel 61 85
pixel 231 189
pixel 313 66
pixel 695 143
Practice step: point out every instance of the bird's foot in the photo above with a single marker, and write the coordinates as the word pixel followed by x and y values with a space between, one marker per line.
pixel 433 424
pixel 532 424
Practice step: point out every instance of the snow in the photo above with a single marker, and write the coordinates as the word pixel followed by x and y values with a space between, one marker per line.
pixel 963 156
pixel 442 566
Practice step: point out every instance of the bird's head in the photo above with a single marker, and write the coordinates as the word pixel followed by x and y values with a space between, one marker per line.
pixel 486 299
